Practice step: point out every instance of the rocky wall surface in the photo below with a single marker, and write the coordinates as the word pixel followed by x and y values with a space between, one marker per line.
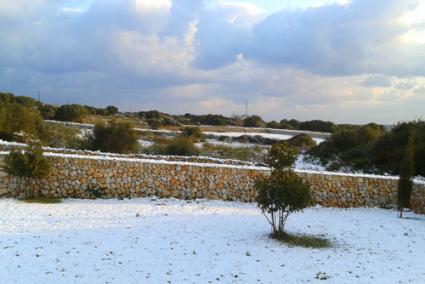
pixel 90 177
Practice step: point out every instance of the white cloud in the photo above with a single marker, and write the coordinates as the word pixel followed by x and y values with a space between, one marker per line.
pixel 149 6
pixel 67 10
pixel 353 63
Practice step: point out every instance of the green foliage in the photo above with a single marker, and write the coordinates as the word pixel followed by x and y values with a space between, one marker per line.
pixel 18 119
pixel 273 124
pixel 318 125
pixel 111 110
pixel 47 111
pixel 209 119
pixel 283 192
pixel 115 137
pixel 302 142
pixel 73 113
pixel 41 200
pixel 388 151
pixel 29 164
pixel 193 132
pixel 154 123
pixel 303 240
pixel 157 119
pixel 253 154
pixel 372 149
pixel 281 156
pixel 350 146
pixel 405 183
pixel 182 146
pixel 59 136
pixel 9 98
pixel 254 121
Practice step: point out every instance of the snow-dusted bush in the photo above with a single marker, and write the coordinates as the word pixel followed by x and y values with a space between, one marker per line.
pixel 29 164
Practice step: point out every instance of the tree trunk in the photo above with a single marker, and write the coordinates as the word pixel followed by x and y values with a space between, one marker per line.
pixel 29 190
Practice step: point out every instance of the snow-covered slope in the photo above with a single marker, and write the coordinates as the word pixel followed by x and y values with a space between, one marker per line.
pixel 144 241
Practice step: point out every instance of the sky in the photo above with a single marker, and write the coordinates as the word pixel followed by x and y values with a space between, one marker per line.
pixel 348 61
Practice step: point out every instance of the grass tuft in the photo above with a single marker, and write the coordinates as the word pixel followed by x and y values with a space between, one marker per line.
pixel 302 240
pixel 41 200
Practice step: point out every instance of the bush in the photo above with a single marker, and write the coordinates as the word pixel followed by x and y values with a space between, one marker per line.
pixel 253 154
pixel 254 121
pixel 47 111
pixel 351 146
pixel 115 137
pixel 405 183
pixel 302 142
pixel 111 110
pixel 192 132
pixel 318 125
pixel 59 136
pixel 17 119
pixel 182 146
pixel 73 113
pixel 29 164
pixel 283 192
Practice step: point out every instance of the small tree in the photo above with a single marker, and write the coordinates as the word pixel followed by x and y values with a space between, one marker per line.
pixel 405 183
pixel 283 192
pixel 29 164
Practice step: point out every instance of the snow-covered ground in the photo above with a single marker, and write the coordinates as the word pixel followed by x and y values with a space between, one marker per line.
pixel 160 241
pixel 302 163
pixel 145 143
pixel 265 135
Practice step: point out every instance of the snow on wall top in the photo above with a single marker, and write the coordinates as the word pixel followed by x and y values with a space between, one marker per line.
pixel 144 156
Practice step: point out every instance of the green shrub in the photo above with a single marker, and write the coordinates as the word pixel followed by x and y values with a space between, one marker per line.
pixel 192 132
pixel 73 113
pixel 302 142
pixel 20 120
pixel 182 146
pixel 47 111
pixel 283 192
pixel 154 123
pixel 351 146
pixel 318 125
pixel 59 136
pixel 111 110
pixel 115 137
pixel 254 121
pixel 29 164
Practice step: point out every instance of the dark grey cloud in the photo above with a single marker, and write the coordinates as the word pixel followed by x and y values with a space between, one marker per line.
pixel 357 38
pixel 190 56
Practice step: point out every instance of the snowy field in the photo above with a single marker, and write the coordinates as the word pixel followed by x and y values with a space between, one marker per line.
pixel 172 241
pixel 265 135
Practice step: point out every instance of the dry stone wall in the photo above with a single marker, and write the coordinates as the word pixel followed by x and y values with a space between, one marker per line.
pixel 89 177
